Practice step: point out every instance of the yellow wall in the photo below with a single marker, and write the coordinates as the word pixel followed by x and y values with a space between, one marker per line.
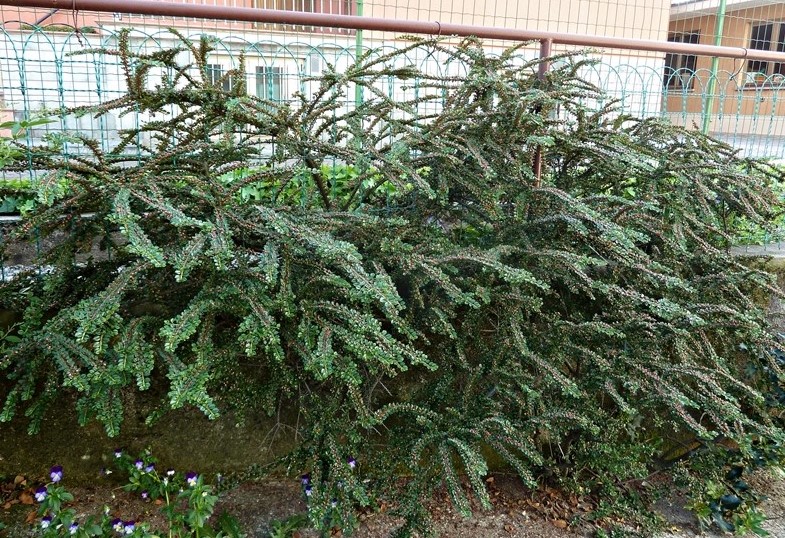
pixel 643 20
pixel 732 96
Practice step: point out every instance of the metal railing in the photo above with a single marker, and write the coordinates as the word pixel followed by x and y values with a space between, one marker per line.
pixel 434 28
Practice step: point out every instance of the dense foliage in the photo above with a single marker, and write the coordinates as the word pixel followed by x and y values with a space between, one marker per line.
pixel 378 276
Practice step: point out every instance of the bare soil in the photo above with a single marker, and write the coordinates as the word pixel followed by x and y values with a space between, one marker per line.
pixel 518 512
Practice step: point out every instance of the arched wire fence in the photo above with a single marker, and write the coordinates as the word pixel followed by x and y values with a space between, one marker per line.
pixel 45 72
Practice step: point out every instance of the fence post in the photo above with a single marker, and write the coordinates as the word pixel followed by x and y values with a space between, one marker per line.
pixel 545 53
pixel 715 61
pixel 358 51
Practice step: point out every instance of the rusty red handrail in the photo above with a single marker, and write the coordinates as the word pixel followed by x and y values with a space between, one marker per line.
pixel 171 9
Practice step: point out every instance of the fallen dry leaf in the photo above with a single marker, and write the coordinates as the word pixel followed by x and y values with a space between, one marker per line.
pixel 26 498
pixel 30 517
pixel 19 480
pixel 560 523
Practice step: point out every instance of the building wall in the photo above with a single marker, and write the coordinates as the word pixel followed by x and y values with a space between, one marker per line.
pixel 53 79
pixel 644 20
pixel 740 104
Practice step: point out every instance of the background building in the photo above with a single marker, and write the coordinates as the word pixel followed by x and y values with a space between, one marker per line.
pixel 744 104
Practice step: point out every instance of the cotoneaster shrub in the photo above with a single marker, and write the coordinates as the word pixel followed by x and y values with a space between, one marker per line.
pixel 437 302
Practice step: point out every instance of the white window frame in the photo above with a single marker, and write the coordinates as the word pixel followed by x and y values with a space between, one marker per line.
pixel 680 68
pixel 774 42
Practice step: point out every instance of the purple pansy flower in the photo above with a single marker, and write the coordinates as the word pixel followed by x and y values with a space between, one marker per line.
pixel 73 527
pixel 334 503
pixel 56 473
pixel 150 468
pixel 352 462
pixel 145 495
pixel 117 525
pixel 40 494
pixel 139 464
pixel 46 521
pixel 191 478
pixel 308 490
pixel 118 452
pixel 170 472
pixel 305 479
pixel 128 527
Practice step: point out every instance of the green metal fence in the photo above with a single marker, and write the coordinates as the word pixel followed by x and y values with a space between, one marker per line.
pixel 45 71
pixel 42 72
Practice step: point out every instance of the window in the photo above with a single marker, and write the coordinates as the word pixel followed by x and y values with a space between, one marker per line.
pixel 766 36
pixel 680 68
pixel 288 5
pixel 269 82
pixel 315 62
pixel 333 7
pixel 214 74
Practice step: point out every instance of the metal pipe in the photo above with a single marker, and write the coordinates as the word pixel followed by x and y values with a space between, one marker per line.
pixel 715 63
pixel 42 19
pixel 169 9
pixel 358 51
pixel 545 53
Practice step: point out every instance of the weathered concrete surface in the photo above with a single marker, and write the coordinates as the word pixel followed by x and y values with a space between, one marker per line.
pixel 776 251
pixel 773 259
pixel 184 439
pixel 768 483
pixel 181 439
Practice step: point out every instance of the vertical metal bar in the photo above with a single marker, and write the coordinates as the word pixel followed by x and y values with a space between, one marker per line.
pixel 38 250
pixel 715 62
pixel 2 258
pixel 358 51
pixel 545 53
